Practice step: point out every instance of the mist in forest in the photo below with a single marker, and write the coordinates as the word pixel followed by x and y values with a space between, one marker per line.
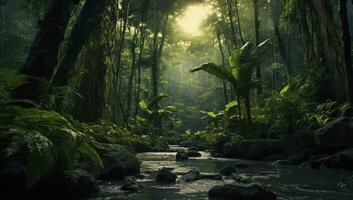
pixel 176 99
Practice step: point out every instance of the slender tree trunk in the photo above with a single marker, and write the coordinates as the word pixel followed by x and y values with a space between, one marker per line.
pixel 232 26
pixel 118 105
pixel 133 72
pixel 248 114
pixel 43 55
pixel 239 108
pixel 347 50
pixel 224 65
pixel 157 53
pixel 239 24
pixel 143 35
pixel 257 39
pixel 122 42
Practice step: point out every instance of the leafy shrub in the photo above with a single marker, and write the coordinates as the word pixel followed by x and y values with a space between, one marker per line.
pixel 47 139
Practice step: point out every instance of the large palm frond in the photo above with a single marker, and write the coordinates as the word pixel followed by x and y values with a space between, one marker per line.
pixel 220 72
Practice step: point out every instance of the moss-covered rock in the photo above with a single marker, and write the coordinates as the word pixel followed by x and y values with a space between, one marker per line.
pixel 118 162
pixel 39 147
pixel 165 175
pixel 141 146
pixel 341 160
pixel 253 149
pixel 336 135
pixel 46 140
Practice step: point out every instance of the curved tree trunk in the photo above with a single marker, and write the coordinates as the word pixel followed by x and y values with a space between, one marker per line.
pixel 43 55
pixel 85 27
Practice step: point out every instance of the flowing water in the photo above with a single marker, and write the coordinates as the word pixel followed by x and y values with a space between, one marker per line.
pixel 288 182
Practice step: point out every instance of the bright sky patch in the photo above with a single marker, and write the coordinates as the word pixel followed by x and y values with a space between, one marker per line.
pixel 193 18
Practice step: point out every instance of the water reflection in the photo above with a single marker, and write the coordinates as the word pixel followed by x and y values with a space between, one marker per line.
pixel 288 182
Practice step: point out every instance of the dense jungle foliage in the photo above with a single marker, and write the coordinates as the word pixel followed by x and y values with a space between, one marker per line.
pixel 87 84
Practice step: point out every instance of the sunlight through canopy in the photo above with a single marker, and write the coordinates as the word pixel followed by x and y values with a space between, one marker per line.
pixel 193 18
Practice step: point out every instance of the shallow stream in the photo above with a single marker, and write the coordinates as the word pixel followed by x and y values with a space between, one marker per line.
pixel 288 182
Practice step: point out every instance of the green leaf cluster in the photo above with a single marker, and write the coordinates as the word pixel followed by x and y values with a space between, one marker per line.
pixel 242 64
pixel 47 139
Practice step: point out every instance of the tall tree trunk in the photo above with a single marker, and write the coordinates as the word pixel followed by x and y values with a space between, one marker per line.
pixel 143 36
pixel 308 41
pixel 132 73
pixel 157 53
pixel 91 107
pixel 43 55
pixel 87 25
pixel 275 15
pixel 232 26
pixel 283 50
pixel 347 50
pixel 119 109
pixel 330 35
pixel 257 38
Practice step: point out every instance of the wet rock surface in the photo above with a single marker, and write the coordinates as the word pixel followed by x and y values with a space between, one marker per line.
pixel 194 175
pixel 191 176
pixel 180 156
pixel 241 192
pixel 130 185
pixel 231 169
pixel 166 175
pixel 228 170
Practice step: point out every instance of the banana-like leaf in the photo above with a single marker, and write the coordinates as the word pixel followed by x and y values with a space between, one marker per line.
pixel 218 71
pixel 243 62
pixel 155 101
